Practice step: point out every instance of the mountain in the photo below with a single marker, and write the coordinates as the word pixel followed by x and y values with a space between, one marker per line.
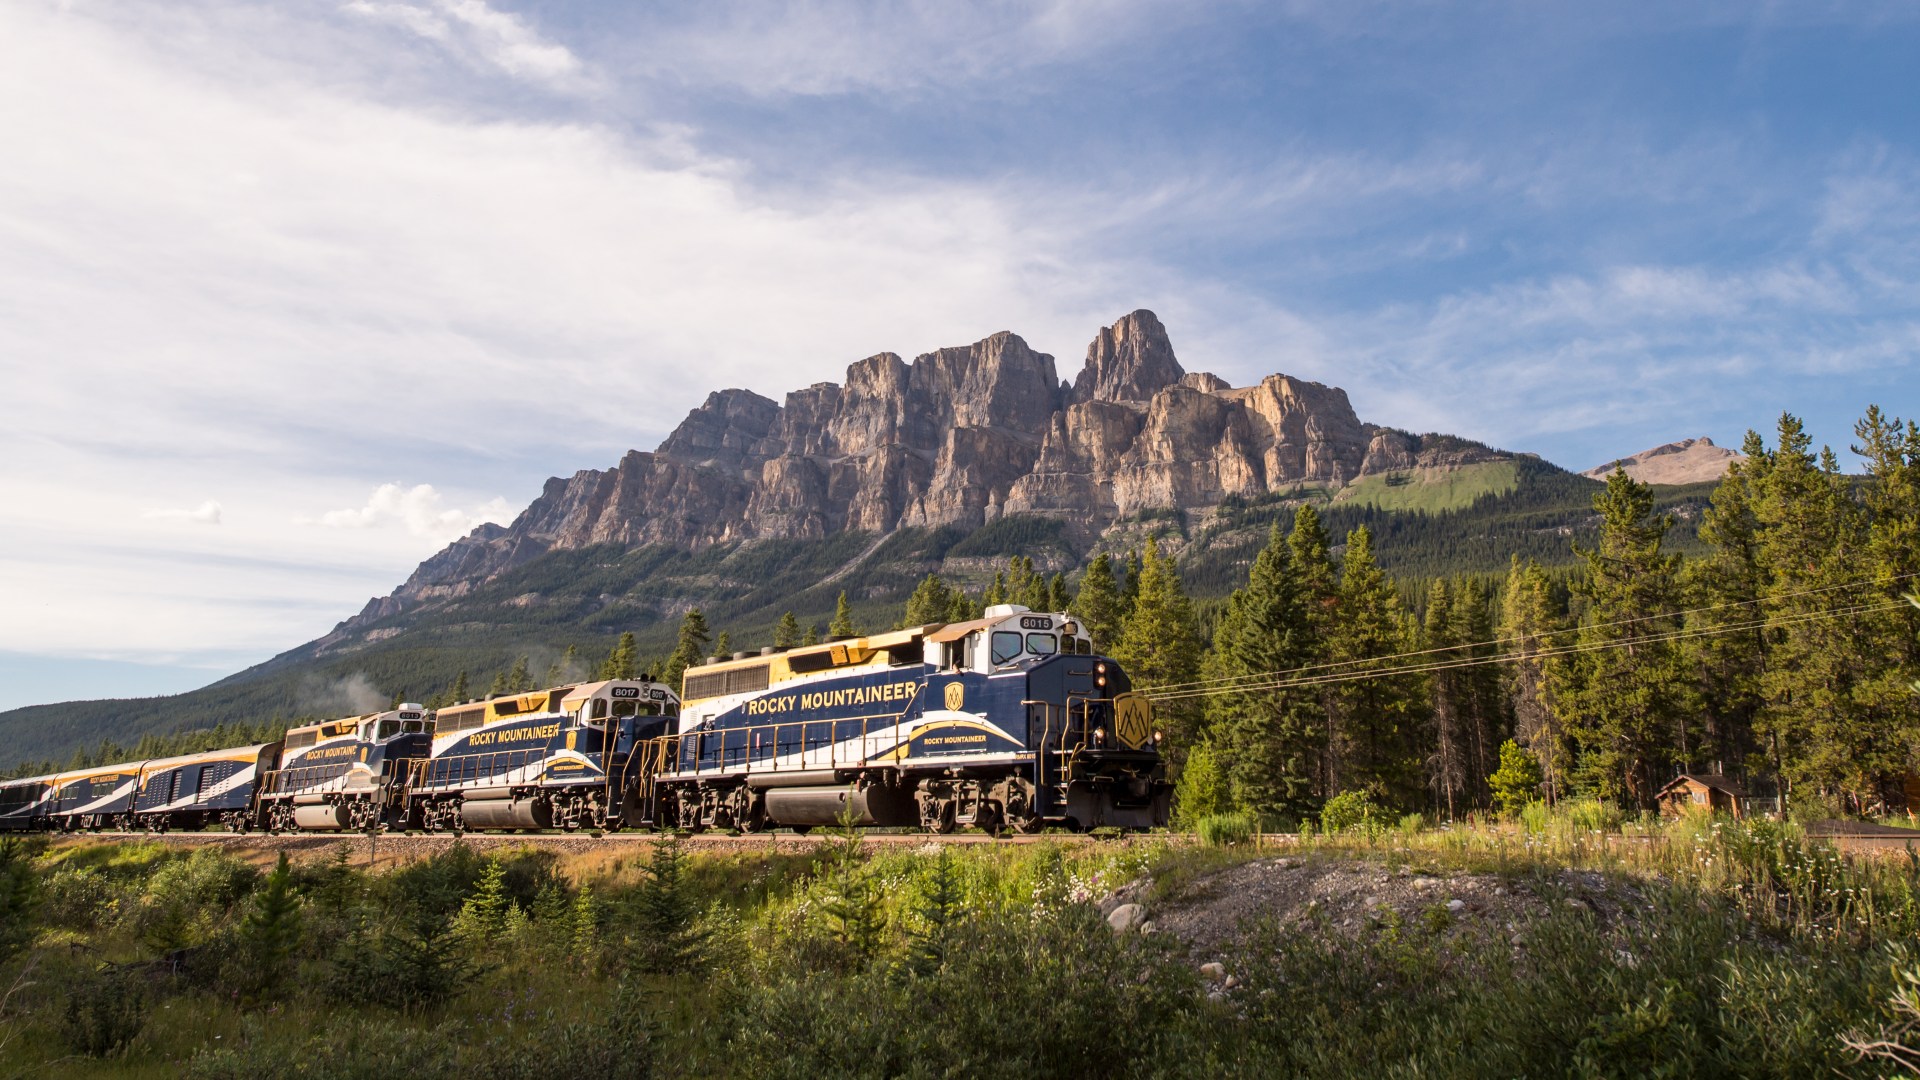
pixel 1689 461
pixel 959 438
pixel 946 464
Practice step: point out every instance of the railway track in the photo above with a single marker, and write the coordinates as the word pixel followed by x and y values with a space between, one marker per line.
pixel 402 847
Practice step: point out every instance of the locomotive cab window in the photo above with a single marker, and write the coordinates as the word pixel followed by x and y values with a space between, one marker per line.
pixel 599 710
pixel 1006 645
pixel 1042 644
pixel 388 729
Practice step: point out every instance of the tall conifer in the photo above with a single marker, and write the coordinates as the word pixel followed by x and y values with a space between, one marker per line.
pixel 1377 716
pixel 1098 603
pixel 1627 696
pixel 1160 643
pixel 1270 737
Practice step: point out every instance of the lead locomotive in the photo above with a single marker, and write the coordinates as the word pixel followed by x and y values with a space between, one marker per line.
pixel 1008 721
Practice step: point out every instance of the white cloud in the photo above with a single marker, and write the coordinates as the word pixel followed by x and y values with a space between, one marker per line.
pixel 483 36
pixel 418 509
pixel 207 513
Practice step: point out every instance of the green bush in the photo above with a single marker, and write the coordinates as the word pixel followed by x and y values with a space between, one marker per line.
pixel 1355 811
pixel 1224 830
pixel 1201 790
pixel 1516 783
pixel 1019 996
pixel 104 1012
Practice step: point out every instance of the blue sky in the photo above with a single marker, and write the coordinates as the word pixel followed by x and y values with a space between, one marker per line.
pixel 292 294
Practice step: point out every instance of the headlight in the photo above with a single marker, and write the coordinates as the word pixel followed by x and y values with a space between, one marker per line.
pixel 1099 669
pixel 1156 738
pixel 1099 680
pixel 1099 736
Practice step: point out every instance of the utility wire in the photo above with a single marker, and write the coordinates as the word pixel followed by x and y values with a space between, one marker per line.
pixel 1171 688
pixel 1277 681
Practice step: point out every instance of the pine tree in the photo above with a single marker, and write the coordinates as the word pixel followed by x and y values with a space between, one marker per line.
pixel 787 634
pixel 1130 584
pixel 1447 756
pixel 1202 790
pixel 1527 625
pixel 842 624
pixel 1627 697
pixel 1310 550
pixel 1516 783
pixel 1891 501
pixel 1375 717
pixel 997 592
pixel 666 912
pixel 813 635
pixel 690 650
pixel 1725 589
pixel 1483 713
pixel 1160 643
pixel 623 661
pixel 937 917
pixel 723 646
pixel 1098 603
pixel 458 692
pixel 960 607
pixel 1819 718
pixel 1033 589
pixel 271 931
pixel 485 914
pixel 519 680
pixel 1057 597
pixel 930 602
pixel 1269 737
pixel 499 685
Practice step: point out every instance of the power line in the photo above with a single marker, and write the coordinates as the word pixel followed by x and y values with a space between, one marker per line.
pixel 1330 678
pixel 1176 689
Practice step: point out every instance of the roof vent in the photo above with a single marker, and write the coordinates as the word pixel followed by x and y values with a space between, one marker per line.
pixel 1001 611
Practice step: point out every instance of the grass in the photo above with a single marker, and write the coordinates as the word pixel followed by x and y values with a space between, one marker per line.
pixel 1758 952
pixel 1432 491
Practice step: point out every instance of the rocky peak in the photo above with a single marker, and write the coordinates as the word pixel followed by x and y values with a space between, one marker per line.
pixel 1689 461
pixel 957 437
pixel 1132 360
pixel 724 431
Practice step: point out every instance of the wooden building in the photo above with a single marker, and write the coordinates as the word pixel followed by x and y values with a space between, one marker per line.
pixel 1701 791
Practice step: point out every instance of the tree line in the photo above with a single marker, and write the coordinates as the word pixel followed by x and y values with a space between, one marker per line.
pixel 1784 654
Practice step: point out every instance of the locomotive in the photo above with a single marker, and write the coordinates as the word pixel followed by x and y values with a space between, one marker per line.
pixel 345 774
pixel 562 758
pixel 1009 721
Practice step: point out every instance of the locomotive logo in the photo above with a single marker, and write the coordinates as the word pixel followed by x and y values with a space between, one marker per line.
pixel 1132 719
pixel 956 695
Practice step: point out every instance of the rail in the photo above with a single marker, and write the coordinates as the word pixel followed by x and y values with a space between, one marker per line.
pixel 457 771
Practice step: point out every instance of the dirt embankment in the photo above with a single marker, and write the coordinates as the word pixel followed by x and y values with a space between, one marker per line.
pixel 1351 896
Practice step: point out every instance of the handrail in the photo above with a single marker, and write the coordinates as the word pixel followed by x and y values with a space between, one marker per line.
pixel 752 738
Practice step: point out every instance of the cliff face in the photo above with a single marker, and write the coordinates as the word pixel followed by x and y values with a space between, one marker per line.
pixel 960 436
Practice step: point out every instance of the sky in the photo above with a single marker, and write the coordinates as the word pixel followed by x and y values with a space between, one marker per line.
pixel 293 294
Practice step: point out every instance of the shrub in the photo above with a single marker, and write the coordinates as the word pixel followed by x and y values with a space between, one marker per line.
pixel 1224 830
pixel 1516 783
pixel 1201 790
pixel 104 1012
pixel 19 894
pixel 1355 810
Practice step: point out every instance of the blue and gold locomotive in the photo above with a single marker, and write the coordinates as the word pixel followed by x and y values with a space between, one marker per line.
pixel 561 758
pixel 1008 721
pixel 346 774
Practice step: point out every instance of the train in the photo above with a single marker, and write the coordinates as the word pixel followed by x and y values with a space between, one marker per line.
pixel 1009 722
